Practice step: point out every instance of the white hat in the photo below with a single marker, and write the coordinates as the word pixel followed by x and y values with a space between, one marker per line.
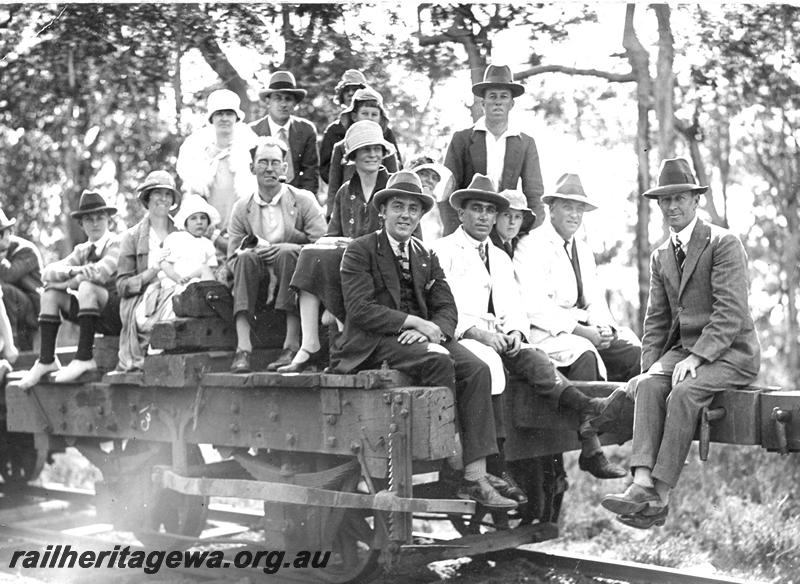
pixel 365 133
pixel 224 99
pixel 195 204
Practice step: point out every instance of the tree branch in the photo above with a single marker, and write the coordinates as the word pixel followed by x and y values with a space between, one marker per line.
pixel 609 75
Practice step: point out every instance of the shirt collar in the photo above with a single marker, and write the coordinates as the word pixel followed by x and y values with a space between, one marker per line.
pixel 684 234
pixel 511 130
pixel 395 245
pixel 471 240
pixel 101 243
pixel 275 200
pixel 274 127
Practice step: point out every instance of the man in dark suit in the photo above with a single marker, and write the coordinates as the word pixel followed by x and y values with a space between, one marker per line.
pixel 299 134
pixel 496 147
pixel 699 338
pixel 400 310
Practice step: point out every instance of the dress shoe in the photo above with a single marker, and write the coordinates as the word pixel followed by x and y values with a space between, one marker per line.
pixel 507 487
pixel 285 358
pixel 607 411
pixel 600 467
pixel 484 494
pixel 35 373
pixel 635 498
pixel 313 361
pixel 74 370
pixel 241 362
pixel 647 518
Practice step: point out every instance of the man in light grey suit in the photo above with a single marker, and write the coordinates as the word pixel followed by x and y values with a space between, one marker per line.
pixel 699 338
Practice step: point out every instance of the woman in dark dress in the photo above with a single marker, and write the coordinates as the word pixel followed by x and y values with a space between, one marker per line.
pixel 316 277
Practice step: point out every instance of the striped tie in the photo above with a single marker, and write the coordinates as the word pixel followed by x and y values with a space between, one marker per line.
pixel 402 257
pixel 680 255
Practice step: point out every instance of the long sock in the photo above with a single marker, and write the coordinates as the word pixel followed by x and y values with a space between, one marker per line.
pixel 86 324
pixel 475 470
pixel 49 330
pixel 572 398
pixel 496 463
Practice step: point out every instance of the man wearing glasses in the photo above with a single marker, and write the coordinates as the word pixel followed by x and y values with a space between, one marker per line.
pixel 267 230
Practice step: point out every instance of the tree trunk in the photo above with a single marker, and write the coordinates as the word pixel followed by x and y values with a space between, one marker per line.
pixel 664 90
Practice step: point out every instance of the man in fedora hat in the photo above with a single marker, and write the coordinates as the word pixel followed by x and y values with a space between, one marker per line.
pixel 80 288
pixel 491 310
pixel 495 146
pixel 699 339
pixel 399 310
pixel 299 134
pixel 20 282
pixel 569 315
pixel 267 230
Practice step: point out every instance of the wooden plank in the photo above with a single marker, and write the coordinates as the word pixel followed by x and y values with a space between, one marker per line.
pixel 106 352
pixel 210 333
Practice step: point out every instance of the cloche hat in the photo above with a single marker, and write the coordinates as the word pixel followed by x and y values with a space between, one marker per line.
pixel 569 187
pixel 195 204
pixel 498 76
pixel 365 133
pixel 224 99
pixel 283 81
pixel 480 188
pixel 92 202
pixel 365 94
pixel 158 179
pixel 406 184
pixel 674 176
pixel 350 78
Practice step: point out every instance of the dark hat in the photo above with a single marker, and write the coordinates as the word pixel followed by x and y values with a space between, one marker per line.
pixel 498 76
pixel 674 176
pixel 158 179
pixel 5 222
pixel 92 202
pixel 283 81
pixel 405 184
pixel 482 189
pixel 569 187
pixel 350 78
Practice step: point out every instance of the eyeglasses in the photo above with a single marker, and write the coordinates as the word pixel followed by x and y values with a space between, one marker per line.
pixel 262 164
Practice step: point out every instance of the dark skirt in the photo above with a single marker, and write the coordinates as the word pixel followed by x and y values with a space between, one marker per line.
pixel 317 272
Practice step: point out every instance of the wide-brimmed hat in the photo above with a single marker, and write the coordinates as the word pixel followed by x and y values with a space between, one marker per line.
pixel 481 188
pixel 427 163
pixel 569 187
pixel 517 202
pixel 195 204
pixel 498 76
pixel 92 202
pixel 224 99
pixel 158 179
pixel 403 183
pixel 283 81
pixel 5 222
pixel 674 176
pixel 365 133
pixel 350 78
pixel 365 94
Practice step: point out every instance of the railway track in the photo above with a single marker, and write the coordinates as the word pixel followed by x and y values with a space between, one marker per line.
pixel 33 517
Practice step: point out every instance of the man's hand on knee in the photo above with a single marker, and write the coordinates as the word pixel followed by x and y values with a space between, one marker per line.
pixel 686 366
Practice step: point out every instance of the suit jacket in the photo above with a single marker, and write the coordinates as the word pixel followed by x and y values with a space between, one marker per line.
pixel 303 147
pixel 302 218
pixel 103 272
pixel 472 285
pixel 548 284
pixel 706 307
pixel 371 290
pixel 466 156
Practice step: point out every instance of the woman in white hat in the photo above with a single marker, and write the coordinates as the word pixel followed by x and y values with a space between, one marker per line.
pixel 316 277
pixel 214 161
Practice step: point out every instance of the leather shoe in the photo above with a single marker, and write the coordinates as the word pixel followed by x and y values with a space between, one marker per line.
pixel 647 518
pixel 636 498
pixel 285 358
pixel 600 467
pixel 507 487
pixel 313 361
pixel 484 494
pixel 241 362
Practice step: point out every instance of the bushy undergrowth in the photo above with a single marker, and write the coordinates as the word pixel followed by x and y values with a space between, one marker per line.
pixel 739 513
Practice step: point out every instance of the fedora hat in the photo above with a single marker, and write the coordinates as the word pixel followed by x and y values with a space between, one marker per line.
pixel 283 81
pixel 674 176
pixel 480 188
pixel 365 133
pixel 158 179
pixel 195 204
pixel 5 222
pixel 350 78
pixel 518 202
pixel 569 187
pixel 224 99
pixel 498 76
pixel 92 202
pixel 405 184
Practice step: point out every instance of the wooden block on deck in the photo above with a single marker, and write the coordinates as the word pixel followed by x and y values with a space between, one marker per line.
pixel 212 333
pixel 106 352
pixel 184 369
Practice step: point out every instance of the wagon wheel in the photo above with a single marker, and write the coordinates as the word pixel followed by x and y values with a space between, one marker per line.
pixel 19 462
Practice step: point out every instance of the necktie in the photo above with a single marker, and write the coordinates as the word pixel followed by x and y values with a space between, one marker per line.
pixel 402 257
pixel 576 268
pixel 680 255
pixel 483 252
pixel 284 136
pixel 92 257
pixel 508 249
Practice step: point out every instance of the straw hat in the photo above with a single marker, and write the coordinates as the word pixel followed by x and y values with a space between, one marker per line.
pixel 195 204
pixel 481 188
pixel 365 133
pixel 403 183
pixel 569 187
pixel 674 176
pixel 224 99
pixel 92 202
pixel 499 76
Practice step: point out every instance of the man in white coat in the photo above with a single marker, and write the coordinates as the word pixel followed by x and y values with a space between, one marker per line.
pixel 568 312
pixel 491 319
